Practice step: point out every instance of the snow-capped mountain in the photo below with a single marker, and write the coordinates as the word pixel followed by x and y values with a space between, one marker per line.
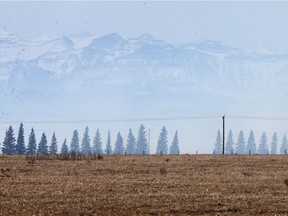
pixel 131 72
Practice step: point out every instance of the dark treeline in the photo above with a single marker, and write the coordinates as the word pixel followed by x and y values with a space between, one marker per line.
pixel 243 146
pixel 133 145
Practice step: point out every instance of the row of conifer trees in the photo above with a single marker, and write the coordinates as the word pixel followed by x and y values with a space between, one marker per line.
pixel 133 145
pixel 249 147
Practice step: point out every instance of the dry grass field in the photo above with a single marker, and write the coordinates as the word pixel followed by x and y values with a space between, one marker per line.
pixel 145 185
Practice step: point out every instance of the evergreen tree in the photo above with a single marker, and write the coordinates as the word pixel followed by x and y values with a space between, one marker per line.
pixel 131 143
pixel 74 146
pixel 86 149
pixel 119 146
pixel 230 143
pixel 53 147
pixel 20 146
pixel 274 144
pixel 108 149
pixel 251 144
pixel 142 144
pixel 31 148
pixel 162 147
pixel 241 145
pixel 284 145
pixel 97 143
pixel 43 146
pixel 174 148
pixel 263 146
pixel 9 142
pixel 218 144
pixel 64 148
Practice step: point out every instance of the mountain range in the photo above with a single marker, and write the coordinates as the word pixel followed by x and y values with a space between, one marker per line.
pixel 112 76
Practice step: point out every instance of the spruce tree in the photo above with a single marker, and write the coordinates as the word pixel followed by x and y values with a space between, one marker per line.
pixel 218 144
pixel 97 148
pixel 9 142
pixel 74 145
pixel 241 145
pixel 64 148
pixel 31 148
pixel 284 145
pixel 119 146
pixel 131 143
pixel 263 146
pixel 251 144
pixel 86 149
pixel 53 146
pixel 20 146
pixel 43 146
pixel 142 144
pixel 174 148
pixel 230 143
pixel 274 144
pixel 162 147
pixel 108 149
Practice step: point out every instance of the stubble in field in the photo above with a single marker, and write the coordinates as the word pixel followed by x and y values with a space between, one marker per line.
pixel 145 185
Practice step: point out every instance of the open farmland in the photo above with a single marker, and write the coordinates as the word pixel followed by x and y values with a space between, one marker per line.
pixel 145 185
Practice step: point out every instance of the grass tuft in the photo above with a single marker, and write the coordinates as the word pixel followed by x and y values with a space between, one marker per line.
pixel 163 171
pixel 286 182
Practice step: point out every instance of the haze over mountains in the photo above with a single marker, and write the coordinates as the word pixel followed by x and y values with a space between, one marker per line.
pixel 110 77
pixel 82 77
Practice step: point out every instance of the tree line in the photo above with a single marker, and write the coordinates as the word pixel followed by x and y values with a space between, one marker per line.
pixel 133 145
pixel 249 147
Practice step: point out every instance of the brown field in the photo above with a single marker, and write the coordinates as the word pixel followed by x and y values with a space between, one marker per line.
pixel 145 185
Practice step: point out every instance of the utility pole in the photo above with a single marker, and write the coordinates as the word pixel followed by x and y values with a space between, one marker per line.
pixel 223 148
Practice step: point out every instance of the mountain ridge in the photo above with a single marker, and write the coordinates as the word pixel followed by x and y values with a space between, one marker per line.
pixel 133 68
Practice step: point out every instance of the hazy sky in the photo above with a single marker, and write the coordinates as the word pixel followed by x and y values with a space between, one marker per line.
pixel 249 25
